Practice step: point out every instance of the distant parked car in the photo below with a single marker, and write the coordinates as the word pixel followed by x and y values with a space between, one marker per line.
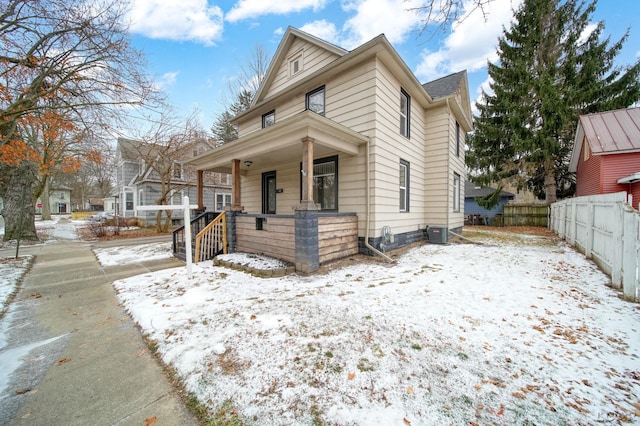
pixel 101 217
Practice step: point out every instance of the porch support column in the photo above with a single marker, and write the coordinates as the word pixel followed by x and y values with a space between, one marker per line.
pixel 307 201
pixel 201 206
pixel 306 216
pixel 236 204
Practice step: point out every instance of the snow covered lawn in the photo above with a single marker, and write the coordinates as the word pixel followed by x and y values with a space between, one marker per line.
pixel 514 332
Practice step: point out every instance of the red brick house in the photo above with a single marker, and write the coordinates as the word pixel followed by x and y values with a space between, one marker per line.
pixel 606 154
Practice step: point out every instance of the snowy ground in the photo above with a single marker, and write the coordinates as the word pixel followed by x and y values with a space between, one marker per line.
pixel 520 331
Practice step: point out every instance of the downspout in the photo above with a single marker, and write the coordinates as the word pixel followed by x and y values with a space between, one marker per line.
pixel 367 204
pixel 449 167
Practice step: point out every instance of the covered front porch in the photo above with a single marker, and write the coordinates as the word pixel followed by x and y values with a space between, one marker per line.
pixel 290 217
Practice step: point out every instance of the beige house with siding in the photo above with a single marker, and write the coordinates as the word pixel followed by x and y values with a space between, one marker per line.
pixel 343 152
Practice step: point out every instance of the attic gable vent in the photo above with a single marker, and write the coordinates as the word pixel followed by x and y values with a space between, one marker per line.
pixel 295 63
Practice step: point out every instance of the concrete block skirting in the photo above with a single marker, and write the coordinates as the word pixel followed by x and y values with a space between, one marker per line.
pixel 306 234
pixel 231 231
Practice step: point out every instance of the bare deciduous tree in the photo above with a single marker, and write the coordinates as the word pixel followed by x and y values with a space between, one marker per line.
pixel 68 57
pixel 163 149
pixel 442 12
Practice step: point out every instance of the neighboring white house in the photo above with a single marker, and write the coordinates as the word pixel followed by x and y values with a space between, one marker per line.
pixel 137 184
pixel 59 200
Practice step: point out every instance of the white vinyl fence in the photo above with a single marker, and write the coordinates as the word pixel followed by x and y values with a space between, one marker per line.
pixel 606 229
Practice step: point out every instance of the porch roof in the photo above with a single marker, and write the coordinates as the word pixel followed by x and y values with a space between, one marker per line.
pixel 281 143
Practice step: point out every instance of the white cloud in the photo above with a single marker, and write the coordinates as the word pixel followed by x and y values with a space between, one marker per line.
pixel 167 80
pixel 472 42
pixel 373 17
pixel 192 20
pixel 322 29
pixel 248 9
pixel 586 33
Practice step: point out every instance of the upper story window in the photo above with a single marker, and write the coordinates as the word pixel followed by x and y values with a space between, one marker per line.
pixel 177 170
pixel 457 139
pixel 404 186
pixel 269 119
pixel 315 100
pixel 405 113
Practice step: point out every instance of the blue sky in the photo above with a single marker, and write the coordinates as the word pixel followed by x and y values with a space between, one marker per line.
pixel 195 46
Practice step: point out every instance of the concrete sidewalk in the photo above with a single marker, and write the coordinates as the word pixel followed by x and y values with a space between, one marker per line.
pixel 78 358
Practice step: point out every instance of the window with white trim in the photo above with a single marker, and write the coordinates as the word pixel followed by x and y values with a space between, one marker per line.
pixel 223 199
pixel 405 114
pixel 176 198
pixel 177 170
pixel 457 139
pixel 128 196
pixel 456 192
pixel 404 185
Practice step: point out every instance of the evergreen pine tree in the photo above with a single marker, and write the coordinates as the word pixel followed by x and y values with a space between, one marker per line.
pixel 550 71
pixel 222 129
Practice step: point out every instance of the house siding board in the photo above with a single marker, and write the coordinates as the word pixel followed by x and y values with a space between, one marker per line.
pixel 472 207
pixel 616 166
pixel 588 176
pixel 456 219
pixel 389 146
pixel 437 168
pixel 337 237
pixel 276 241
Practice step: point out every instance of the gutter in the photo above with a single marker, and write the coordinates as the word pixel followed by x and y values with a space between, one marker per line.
pixel 368 205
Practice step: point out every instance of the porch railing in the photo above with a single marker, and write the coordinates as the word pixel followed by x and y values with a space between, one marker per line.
pixel 197 225
pixel 212 239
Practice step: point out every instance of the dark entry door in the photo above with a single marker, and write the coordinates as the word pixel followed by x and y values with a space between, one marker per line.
pixel 269 193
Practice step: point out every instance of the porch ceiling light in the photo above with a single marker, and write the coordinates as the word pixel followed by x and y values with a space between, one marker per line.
pixel 248 163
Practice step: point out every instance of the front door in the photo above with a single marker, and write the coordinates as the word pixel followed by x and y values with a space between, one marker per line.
pixel 269 193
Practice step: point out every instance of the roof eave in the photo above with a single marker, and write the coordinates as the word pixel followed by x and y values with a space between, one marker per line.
pixel 283 135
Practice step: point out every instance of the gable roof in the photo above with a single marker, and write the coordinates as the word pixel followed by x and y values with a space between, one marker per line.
pixel 610 132
pixel 281 55
pixel 444 86
pixel 454 84
pixel 127 148
pixel 471 190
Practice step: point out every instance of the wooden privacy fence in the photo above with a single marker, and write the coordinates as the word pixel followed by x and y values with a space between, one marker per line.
pixel 526 215
pixel 606 229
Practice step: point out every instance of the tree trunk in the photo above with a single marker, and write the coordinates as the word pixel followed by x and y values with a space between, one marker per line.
pixel 19 210
pixel 44 199
pixel 550 187
pixel 163 226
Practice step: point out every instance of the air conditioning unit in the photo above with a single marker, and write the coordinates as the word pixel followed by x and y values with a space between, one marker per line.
pixel 438 234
